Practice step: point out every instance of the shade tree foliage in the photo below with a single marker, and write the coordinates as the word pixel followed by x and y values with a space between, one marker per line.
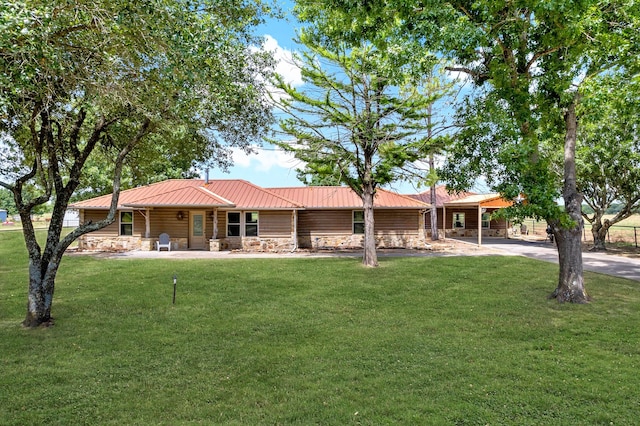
pixel 115 84
pixel 608 154
pixel 529 62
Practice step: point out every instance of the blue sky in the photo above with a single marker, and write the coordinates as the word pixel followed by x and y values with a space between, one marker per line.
pixel 271 167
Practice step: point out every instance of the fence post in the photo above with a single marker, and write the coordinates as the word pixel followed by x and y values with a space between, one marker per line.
pixel 635 236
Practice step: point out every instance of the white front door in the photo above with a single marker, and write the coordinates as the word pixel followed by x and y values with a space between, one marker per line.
pixel 197 236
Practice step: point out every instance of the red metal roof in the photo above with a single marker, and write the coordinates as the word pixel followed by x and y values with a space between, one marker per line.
pixel 190 196
pixel 442 195
pixel 173 192
pixel 340 197
pixel 246 195
pixel 240 194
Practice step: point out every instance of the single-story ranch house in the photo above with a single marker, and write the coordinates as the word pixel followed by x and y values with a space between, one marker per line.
pixel 236 214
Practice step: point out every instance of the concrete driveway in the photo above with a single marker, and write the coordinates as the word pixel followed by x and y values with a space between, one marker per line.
pixel 602 263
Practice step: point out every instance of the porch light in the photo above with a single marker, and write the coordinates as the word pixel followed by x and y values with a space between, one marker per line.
pixel 180 215
pixel 175 282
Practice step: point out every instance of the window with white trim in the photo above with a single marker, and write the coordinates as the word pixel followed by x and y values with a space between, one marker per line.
pixel 251 224
pixel 242 224
pixel 458 221
pixel 486 220
pixel 126 222
pixel 358 222
pixel 233 224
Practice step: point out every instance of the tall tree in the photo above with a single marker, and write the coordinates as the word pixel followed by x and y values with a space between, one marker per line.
pixel 437 132
pixel 117 77
pixel 609 152
pixel 350 122
pixel 529 59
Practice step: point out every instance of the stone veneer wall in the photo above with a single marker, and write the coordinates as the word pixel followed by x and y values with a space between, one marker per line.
pixel 267 244
pixel 474 232
pixel 126 243
pixel 357 241
pixel 253 244
pixel 119 243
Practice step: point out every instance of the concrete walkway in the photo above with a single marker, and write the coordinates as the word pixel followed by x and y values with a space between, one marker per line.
pixel 602 263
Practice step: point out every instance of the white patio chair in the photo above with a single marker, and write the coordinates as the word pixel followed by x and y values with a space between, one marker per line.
pixel 164 241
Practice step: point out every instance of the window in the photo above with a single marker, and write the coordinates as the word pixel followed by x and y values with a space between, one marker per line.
pixel 458 221
pixel 236 221
pixel 233 224
pixel 251 224
pixel 126 223
pixel 486 219
pixel 198 225
pixel 358 222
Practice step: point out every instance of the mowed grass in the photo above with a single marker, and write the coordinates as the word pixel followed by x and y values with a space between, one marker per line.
pixel 438 340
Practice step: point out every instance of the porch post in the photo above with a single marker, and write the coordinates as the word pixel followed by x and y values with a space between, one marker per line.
pixel 215 223
pixel 294 233
pixel 147 223
pixel 444 223
pixel 479 225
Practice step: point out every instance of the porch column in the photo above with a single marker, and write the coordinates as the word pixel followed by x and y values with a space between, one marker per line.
pixel 147 223
pixel 294 230
pixel 479 225
pixel 444 223
pixel 215 223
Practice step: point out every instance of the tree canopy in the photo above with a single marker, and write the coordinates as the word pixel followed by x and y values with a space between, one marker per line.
pixel 529 63
pixel 608 155
pixel 104 83
pixel 351 122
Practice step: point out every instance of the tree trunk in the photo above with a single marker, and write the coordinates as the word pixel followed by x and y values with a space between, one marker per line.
pixel 40 297
pixel 570 281
pixel 370 257
pixel 599 232
pixel 43 267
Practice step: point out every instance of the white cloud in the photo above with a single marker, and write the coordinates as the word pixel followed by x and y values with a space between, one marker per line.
pixel 264 159
pixel 285 65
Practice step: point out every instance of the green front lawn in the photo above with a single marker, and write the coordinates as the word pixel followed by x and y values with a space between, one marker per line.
pixel 455 340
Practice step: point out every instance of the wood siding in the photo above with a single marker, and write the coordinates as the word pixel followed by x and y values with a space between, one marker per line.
pixel 337 222
pixel 271 223
pixel 160 221
pixel 325 222
pixel 404 221
pixel 274 224
pixel 394 228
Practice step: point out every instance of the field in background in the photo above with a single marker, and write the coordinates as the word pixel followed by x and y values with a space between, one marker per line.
pixel 625 232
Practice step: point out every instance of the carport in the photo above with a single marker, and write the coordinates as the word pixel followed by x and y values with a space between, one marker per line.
pixel 479 204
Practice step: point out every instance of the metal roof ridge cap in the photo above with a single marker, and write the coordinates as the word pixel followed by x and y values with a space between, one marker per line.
pixel 209 192
pixel 274 194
